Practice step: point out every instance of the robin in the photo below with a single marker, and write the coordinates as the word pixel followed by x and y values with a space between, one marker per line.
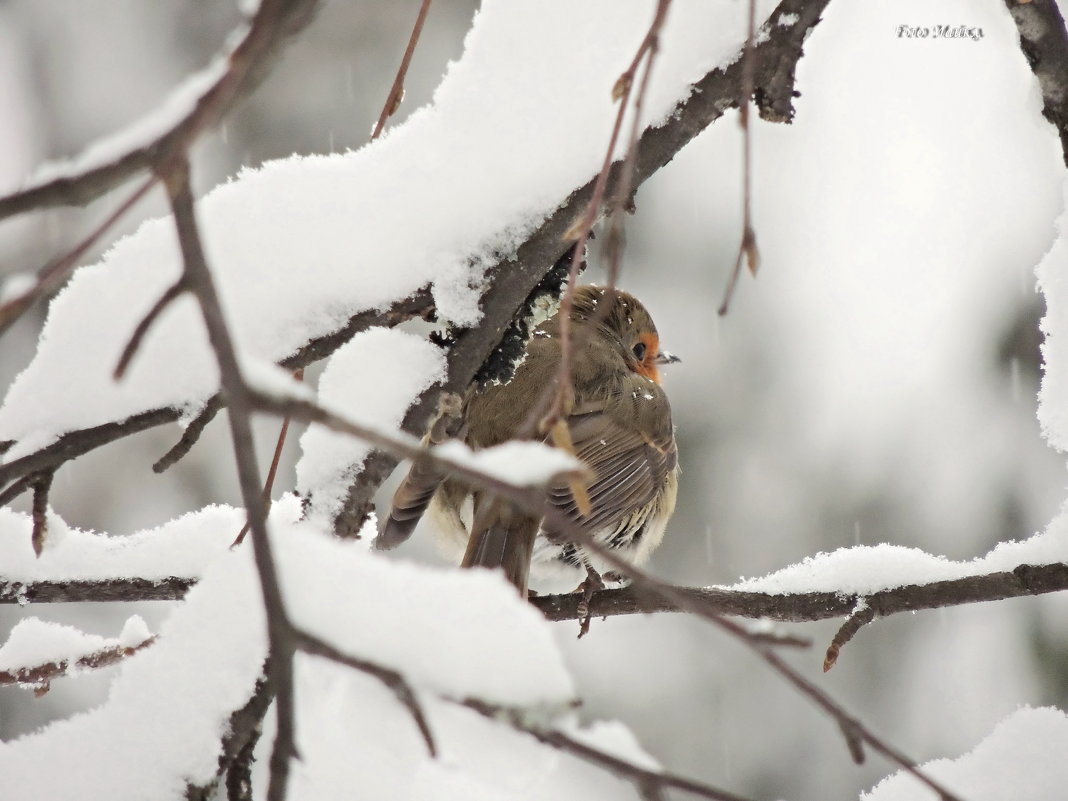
pixel 619 424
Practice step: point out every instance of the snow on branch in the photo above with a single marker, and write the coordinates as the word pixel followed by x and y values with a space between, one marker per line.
pixel 153 142
pixel 257 228
pixel 197 105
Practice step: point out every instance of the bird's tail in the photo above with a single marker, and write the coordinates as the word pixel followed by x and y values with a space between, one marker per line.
pixel 502 537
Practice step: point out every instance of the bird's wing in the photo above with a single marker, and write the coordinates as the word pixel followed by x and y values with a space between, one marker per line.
pixel 630 452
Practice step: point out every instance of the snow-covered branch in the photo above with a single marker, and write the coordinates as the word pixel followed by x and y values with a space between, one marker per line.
pixel 508 281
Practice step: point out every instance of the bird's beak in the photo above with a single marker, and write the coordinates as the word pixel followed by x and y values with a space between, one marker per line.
pixel 666 357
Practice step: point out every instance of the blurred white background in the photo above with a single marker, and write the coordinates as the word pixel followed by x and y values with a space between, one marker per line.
pixel 874 383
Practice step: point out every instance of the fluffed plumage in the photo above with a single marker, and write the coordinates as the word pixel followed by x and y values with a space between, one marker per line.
pixel 620 427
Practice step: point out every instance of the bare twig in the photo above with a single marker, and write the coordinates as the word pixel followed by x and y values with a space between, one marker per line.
pixel 862 616
pixel 272 472
pixel 642 778
pixel 171 294
pixel 190 436
pixel 41 483
pixel 747 249
pixel 394 681
pixel 396 92
pixel 279 631
pixel 41 675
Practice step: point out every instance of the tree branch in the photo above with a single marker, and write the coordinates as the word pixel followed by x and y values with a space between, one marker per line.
pixel 1044 42
pixel 648 782
pixel 41 675
pixel 513 282
pixel 274 22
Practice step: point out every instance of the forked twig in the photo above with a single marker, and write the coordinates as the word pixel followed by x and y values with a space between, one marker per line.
pixel 394 681
pixel 279 630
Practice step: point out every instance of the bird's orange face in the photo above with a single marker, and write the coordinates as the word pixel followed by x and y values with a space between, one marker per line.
pixel 645 351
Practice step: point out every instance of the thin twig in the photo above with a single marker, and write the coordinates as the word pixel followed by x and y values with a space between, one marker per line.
pixel 622 195
pixel 190 436
pixel 171 294
pixel 396 92
pixel 41 675
pixel 642 778
pixel 394 681
pixel 747 249
pixel 272 472
pixel 862 616
pixel 279 630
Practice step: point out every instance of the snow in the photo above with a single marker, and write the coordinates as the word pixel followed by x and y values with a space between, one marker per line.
pixel 1053 397
pixel 522 464
pixel 36 642
pixel 453 634
pixel 134 632
pixel 181 547
pixel 301 244
pixel 441 628
pixel 864 569
pixel 1021 759
pixel 354 386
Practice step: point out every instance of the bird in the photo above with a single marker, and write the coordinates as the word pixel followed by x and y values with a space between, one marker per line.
pixel 618 423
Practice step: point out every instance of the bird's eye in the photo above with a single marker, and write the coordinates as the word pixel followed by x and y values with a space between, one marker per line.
pixel 639 351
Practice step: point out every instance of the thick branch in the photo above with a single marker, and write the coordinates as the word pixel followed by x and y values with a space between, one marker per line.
pixel 1023 581
pixel 1044 42
pixel 804 607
